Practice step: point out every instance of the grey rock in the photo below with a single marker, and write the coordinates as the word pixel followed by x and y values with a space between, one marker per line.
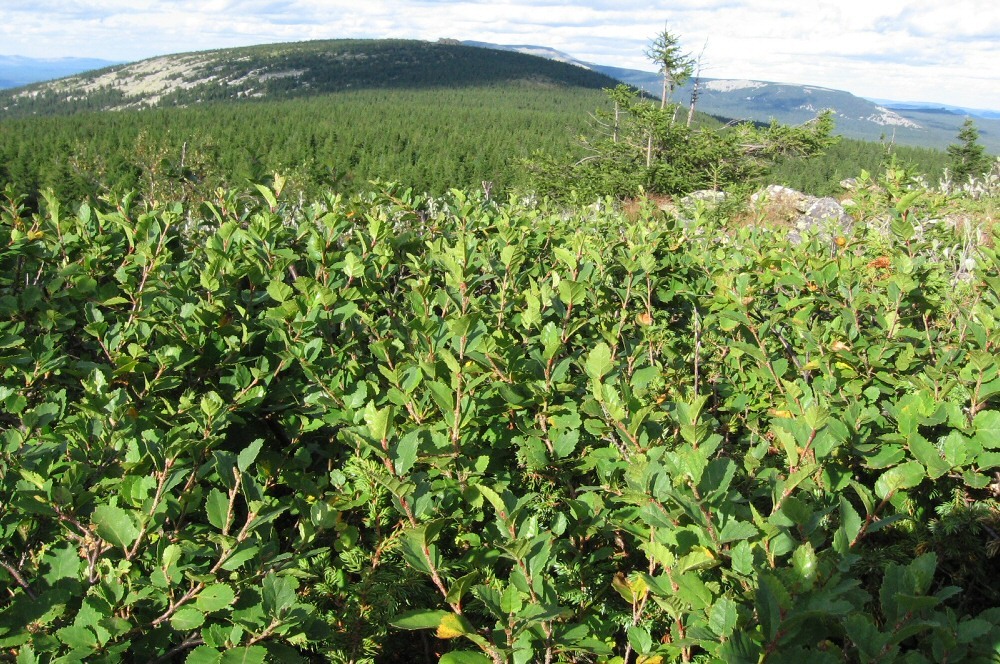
pixel 710 196
pixel 805 214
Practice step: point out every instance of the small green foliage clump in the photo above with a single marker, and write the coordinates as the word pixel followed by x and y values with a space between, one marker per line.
pixel 640 146
pixel 401 428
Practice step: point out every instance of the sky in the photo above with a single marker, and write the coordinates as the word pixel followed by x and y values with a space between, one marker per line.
pixel 944 51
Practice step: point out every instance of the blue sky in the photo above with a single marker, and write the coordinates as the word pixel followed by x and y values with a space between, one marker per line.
pixel 944 51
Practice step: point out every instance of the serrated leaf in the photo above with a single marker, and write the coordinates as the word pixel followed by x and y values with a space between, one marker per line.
pixel 187 618
pixel 246 655
pixel 76 636
pixel 279 593
pixel 217 508
pixel 404 452
pixel 572 293
pixel 599 361
pixel 850 521
pixel 26 655
pixel 115 525
pixel 741 556
pixel 927 454
pixel 722 617
pixel 279 290
pixel 699 558
pixel 64 563
pixel 551 339
pixel 768 607
pixel 737 530
pixel 904 476
pixel 215 597
pixel 268 195
pixel 203 655
pixel 248 455
pixel 987 423
pixel 461 586
pixel 378 420
pixel 640 639
pixel 511 600
pixel 241 555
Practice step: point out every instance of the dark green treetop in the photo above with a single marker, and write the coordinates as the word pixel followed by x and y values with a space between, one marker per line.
pixel 968 157
pixel 676 65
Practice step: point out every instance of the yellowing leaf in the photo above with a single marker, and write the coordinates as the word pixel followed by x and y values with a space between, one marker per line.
pixel 451 627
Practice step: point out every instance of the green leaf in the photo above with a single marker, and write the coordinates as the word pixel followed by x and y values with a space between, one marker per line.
pixel 64 563
pixel 722 617
pixel 551 338
pixel 115 525
pixel 246 655
pixel 798 511
pixel 419 619
pixel 279 593
pixel 640 639
pixel 511 600
pixel 240 556
pixel 572 292
pixel 249 454
pixel 902 228
pixel 464 657
pixel 26 655
pixel 599 361
pixel 742 558
pixel 404 453
pixel 268 195
pixel 279 290
pixel 379 420
pixel 768 606
pixel 211 404
pixel 461 586
pixel 215 597
pixel 76 636
pixel 805 563
pixel 353 267
pixel 740 649
pixel 904 476
pixel 217 508
pixel 927 454
pixel 737 530
pixel 187 618
pixel 850 523
pixel 203 655
pixel 987 423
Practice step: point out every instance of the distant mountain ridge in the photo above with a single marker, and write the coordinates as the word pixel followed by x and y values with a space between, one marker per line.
pixel 910 123
pixel 929 106
pixel 315 67
pixel 282 71
pixel 16 70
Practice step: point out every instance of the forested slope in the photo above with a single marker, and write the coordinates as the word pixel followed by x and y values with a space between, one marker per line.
pixel 283 71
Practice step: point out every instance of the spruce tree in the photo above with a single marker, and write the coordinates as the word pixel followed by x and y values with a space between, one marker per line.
pixel 675 65
pixel 968 157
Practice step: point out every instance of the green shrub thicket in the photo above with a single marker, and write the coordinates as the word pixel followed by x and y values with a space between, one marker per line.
pixel 410 428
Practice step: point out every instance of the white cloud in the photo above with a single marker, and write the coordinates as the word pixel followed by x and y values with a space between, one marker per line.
pixel 935 50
